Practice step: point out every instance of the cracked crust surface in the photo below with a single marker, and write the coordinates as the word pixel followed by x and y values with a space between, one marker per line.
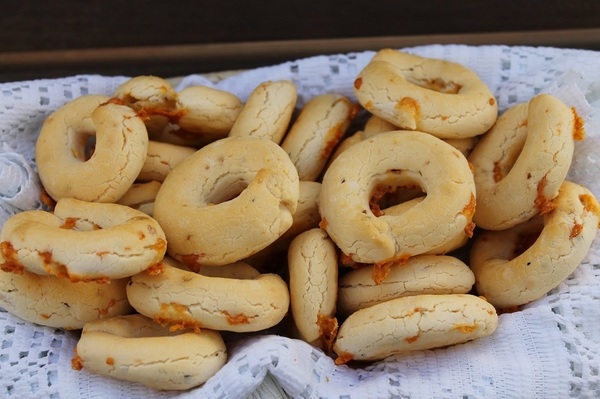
pixel 348 185
pixel 422 274
pixel 227 201
pixel 520 164
pixel 313 136
pixel 82 241
pixel 509 272
pixel 134 348
pixel 239 299
pixel 267 111
pixel 436 96
pixel 313 273
pixel 57 302
pixel 121 142
pixel 414 323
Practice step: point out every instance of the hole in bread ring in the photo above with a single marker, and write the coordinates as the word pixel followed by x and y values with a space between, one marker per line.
pixel 439 169
pixel 521 162
pixel 510 271
pixel 243 300
pixel 134 348
pixel 436 96
pixel 82 241
pixel 121 142
pixel 227 201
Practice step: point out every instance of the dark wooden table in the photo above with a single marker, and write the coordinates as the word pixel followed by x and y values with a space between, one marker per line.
pixel 170 38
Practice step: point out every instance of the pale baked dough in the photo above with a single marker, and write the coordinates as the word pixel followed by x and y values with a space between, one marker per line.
pixel 393 158
pixel 121 144
pixel 413 323
pixel 57 302
pixel 516 266
pixel 432 95
pixel 267 112
pixel 244 301
pixel 520 164
pixel 134 348
pixel 227 201
pixel 82 241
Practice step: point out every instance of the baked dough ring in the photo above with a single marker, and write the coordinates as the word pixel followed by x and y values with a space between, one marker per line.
pixel 60 151
pixel 161 159
pixel 152 97
pixel 204 218
pixel 83 241
pixel 134 348
pixel 422 274
pixel 141 196
pixel 436 96
pixel 57 302
pixel 411 323
pixel 267 111
pixel 313 273
pixel 181 298
pixel 439 169
pixel 321 124
pixel 508 277
pixel 521 162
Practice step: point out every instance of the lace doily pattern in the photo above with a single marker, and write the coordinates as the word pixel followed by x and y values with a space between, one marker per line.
pixel 549 349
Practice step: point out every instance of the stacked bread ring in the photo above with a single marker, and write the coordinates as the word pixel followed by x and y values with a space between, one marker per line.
pixel 366 229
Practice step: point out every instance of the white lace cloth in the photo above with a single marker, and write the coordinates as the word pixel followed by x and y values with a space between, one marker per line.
pixel 551 349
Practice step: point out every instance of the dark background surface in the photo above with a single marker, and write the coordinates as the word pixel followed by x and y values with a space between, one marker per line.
pixel 47 39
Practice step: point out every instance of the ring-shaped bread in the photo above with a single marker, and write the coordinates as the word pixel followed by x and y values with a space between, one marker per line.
pixel 436 96
pixel 227 201
pixel 313 277
pixel 82 241
pixel 244 302
pixel 521 264
pixel 57 302
pixel 316 132
pixel 120 150
pixel 136 349
pixel 153 98
pixel 161 159
pixel 440 170
pixel 520 164
pixel 421 274
pixel 267 111
pixel 412 323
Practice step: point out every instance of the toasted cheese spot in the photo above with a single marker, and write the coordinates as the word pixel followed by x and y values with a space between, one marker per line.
pixel 576 230
pixel 590 204
pixel 578 128
pixel 237 319
pixel 412 339
pixel 469 211
pixel 328 328
pixel 543 204
pixel 110 361
pixel 498 175
pixel 104 311
pixel 47 200
pixel 11 264
pixel 323 224
pixel 465 328
pixel 76 362
pixel 381 271
pixel 155 269
pixel 343 358
pixel 492 101
pixel 192 261
pixel 69 223
pixel 410 106
pixel 159 246
pixel 358 83
pixel 173 115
